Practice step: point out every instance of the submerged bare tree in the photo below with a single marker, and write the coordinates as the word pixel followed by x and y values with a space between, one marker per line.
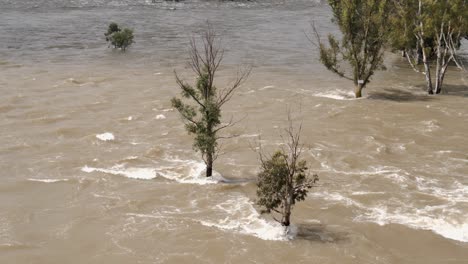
pixel 202 117
pixel 284 178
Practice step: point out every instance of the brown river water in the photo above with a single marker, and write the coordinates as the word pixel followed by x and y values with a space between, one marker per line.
pixel 96 166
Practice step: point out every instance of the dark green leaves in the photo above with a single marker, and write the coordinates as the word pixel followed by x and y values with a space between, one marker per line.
pixel 272 182
pixel 119 38
pixel 282 182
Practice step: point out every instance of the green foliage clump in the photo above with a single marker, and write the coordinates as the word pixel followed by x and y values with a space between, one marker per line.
pixel 364 28
pixel 283 180
pixel 119 38
pixel 273 181
pixel 113 28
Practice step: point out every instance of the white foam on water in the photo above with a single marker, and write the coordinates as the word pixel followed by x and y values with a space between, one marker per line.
pixel 147 215
pixel 47 180
pixel 133 173
pixel 74 81
pixel 266 87
pixel 400 146
pixel 337 95
pixel 380 147
pixel 371 170
pixel 159 117
pixel 440 224
pixel 107 196
pixel 366 193
pixel 456 192
pixel 445 220
pixel 182 171
pixel 188 171
pixel 447 217
pixel 7 237
pixel 242 217
pixel 249 135
pixel 105 136
pixel 336 197
pixel 10 245
pixel 430 125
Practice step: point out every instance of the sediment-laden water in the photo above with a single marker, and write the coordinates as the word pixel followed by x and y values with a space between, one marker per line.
pixel 96 166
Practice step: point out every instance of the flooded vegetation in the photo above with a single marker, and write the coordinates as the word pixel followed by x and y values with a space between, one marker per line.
pixel 97 166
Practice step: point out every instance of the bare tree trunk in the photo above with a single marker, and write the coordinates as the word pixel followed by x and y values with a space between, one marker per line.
pixel 209 164
pixel 358 90
pixel 427 67
pixel 440 79
pixel 440 61
pixel 418 55
pixel 422 45
pixel 438 85
pixel 427 74
pixel 438 69
pixel 286 220
pixel 211 151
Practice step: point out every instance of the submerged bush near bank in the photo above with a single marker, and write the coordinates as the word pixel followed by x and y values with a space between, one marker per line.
pixel 119 38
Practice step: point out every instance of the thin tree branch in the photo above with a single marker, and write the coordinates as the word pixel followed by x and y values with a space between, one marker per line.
pixel 183 86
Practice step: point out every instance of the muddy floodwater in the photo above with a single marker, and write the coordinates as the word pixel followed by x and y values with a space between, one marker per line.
pixel 96 166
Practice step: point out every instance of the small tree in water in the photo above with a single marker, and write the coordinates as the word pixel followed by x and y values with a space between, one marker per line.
pixel 364 26
pixel 203 117
pixel 284 179
pixel 119 38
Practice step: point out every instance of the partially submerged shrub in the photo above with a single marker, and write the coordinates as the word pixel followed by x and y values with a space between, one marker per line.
pixel 284 179
pixel 119 38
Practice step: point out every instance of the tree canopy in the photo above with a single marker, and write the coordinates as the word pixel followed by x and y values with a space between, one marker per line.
pixel 430 32
pixel 364 27
pixel 119 38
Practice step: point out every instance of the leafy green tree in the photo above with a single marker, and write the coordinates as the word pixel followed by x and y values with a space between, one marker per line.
pixel 113 28
pixel 202 117
pixel 119 38
pixel 400 37
pixel 364 28
pixel 430 31
pixel 284 179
